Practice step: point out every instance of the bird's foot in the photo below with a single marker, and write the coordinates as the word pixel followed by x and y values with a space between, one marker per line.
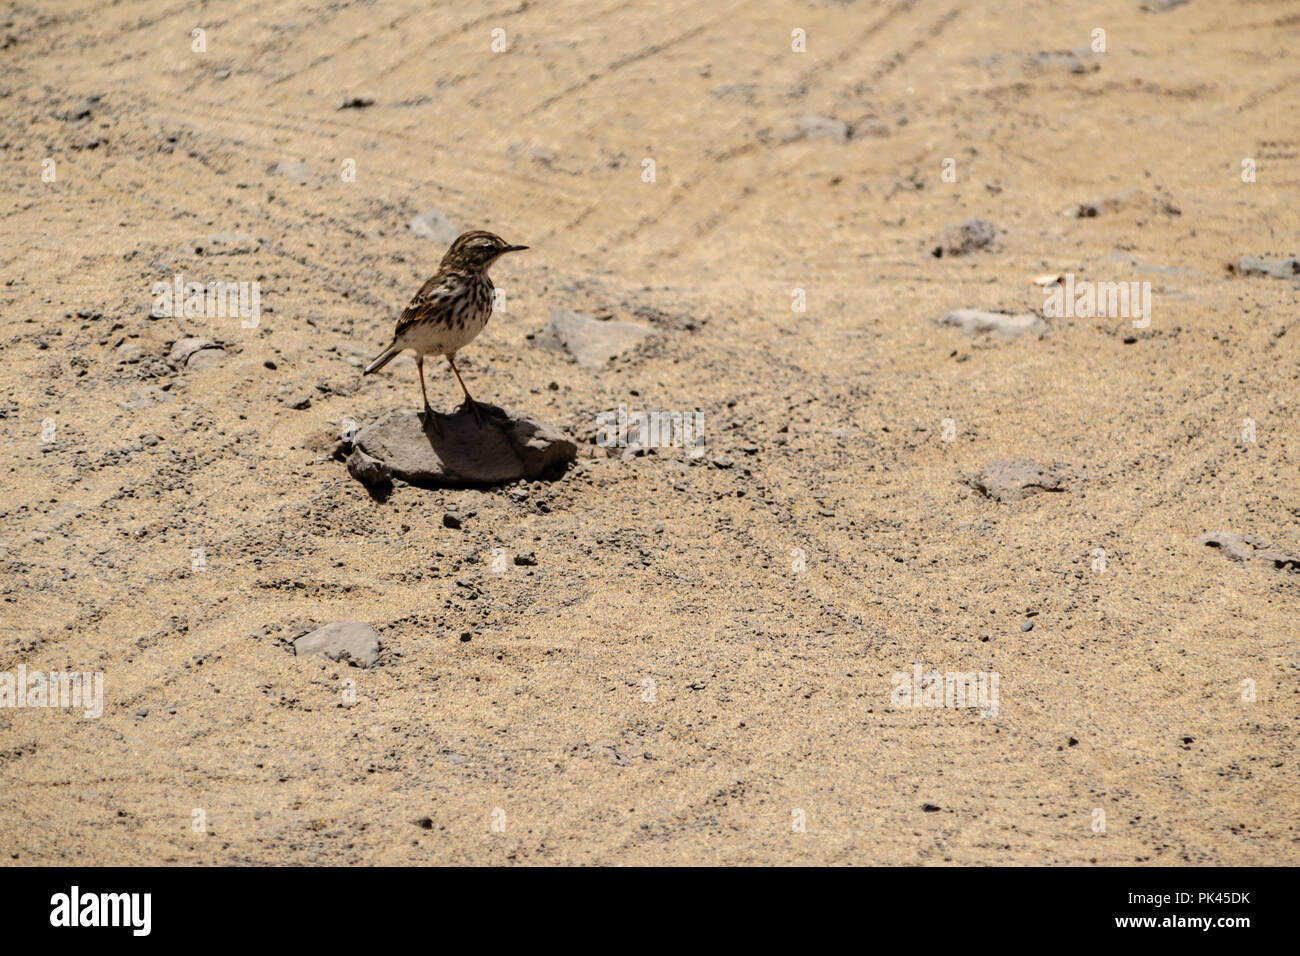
pixel 473 406
pixel 431 420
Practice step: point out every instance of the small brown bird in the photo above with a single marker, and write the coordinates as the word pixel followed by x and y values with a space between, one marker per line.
pixel 450 310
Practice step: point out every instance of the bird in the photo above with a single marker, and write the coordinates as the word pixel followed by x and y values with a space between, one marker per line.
pixel 450 310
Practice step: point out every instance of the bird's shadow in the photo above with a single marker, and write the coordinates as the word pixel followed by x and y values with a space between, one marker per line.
pixel 441 429
pixel 463 441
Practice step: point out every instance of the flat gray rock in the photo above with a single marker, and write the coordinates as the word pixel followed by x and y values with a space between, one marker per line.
pixel 591 343
pixel 1272 268
pixel 1234 546
pixel 1013 480
pixel 298 172
pixel 184 348
pixel 975 321
pixel 455 451
pixel 826 127
pixel 196 353
pixel 434 226
pixel 205 359
pixel 1281 560
pixel 342 640
pixel 1245 547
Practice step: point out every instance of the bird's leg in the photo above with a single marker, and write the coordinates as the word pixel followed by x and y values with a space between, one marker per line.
pixel 419 368
pixel 478 415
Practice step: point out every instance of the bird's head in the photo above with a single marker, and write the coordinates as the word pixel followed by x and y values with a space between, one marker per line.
pixel 475 251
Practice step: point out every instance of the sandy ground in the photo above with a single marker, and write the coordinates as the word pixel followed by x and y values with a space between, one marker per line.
pixel 699 666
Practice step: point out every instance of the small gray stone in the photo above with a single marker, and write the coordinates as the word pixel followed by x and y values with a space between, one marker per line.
pixel 1246 547
pixel 182 350
pixel 970 236
pixel 129 352
pixel 526 559
pixel 1008 481
pixel 1273 268
pixel 972 321
pixel 591 343
pixel 812 127
pixel 743 91
pixel 351 640
pixel 433 225
pixel 371 472
pixel 206 359
pixel 298 172
pixel 1234 546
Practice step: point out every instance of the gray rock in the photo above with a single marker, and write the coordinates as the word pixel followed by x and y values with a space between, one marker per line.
pixel 1167 270
pixel 1013 480
pixel 1279 559
pixel 205 359
pixel 743 91
pixel 298 172
pixel 371 472
pixel 1246 547
pixel 183 349
pixel 970 236
pixel 1272 268
pixel 1128 200
pixel 973 321
pixel 812 127
pixel 433 225
pixel 455 451
pixel 129 352
pixel 1233 545
pixel 1067 57
pixel 350 640
pixel 592 343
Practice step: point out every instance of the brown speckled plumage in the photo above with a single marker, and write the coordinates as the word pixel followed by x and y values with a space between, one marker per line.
pixel 451 309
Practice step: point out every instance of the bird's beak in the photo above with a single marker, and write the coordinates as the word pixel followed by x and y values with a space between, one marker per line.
pixel 513 249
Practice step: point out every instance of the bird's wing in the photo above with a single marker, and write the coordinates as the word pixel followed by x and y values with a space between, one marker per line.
pixel 430 298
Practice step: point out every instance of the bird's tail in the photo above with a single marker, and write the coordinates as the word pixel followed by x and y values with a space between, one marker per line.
pixel 384 357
